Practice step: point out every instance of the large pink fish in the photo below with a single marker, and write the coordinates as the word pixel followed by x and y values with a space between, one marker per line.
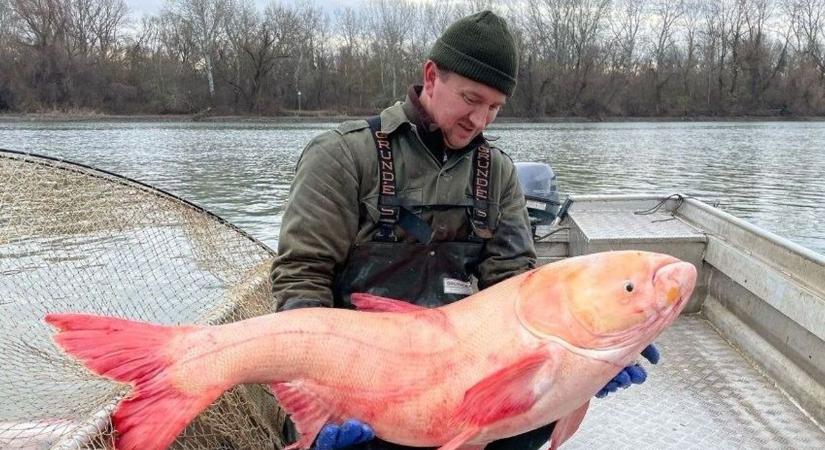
pixel 529 351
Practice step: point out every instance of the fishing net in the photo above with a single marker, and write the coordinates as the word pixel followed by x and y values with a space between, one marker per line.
pixel 77 239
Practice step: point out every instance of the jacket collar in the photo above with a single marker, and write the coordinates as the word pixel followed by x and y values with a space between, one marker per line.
pixel 405 112
pixel 415 110
pixel 393 117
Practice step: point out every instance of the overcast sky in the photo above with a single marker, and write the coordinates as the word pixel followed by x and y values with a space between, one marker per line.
pixel 143 7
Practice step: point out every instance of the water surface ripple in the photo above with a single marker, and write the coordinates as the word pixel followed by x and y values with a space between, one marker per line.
pixel 769 173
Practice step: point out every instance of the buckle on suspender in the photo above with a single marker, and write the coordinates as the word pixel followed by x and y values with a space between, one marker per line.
pixel 386 233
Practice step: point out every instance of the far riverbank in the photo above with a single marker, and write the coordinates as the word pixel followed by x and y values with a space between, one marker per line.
pixel 310 117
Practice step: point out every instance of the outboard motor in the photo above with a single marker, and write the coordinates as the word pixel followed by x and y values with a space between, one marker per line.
pixel 538 182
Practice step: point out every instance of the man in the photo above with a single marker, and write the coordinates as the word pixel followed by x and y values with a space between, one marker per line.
pixel 413 204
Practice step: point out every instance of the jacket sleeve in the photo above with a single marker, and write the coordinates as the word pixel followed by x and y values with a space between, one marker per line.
pixel 319 224
pixel 511 250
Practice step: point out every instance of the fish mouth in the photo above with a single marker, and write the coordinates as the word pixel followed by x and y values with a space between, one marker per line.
pixel 673 284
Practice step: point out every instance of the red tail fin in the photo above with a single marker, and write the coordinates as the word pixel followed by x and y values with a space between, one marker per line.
pixel 137 353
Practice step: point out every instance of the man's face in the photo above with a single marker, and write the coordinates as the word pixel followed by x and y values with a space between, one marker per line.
pixel 461 107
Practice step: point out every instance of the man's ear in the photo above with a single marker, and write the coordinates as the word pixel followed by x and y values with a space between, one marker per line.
pixel 430 74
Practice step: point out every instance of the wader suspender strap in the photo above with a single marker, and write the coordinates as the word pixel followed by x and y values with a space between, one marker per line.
pixel 389 207
pixel 387 202
pixel 482 162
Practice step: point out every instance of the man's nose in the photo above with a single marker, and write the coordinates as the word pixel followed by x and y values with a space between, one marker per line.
pixel 478 117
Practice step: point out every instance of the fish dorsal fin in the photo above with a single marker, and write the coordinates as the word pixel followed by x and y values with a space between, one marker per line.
pixel 567 425
pixel 308 411
pixel 505 393
pixel 375 303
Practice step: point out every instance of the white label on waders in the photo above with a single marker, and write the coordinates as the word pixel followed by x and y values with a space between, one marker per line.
pixel 536 205
pixel 454 286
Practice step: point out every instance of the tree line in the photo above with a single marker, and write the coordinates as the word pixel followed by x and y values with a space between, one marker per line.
pixel 593 58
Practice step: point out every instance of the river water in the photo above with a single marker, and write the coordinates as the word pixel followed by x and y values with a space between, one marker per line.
pixel 769 173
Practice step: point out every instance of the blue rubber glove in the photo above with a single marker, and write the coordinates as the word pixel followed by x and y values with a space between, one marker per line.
pixel 335 437
pixel 634 374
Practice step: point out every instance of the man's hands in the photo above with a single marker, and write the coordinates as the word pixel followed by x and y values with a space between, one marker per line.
pixel 335 437
pixel 634 374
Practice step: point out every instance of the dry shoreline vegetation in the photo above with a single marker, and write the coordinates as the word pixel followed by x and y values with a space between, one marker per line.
pixel 336 118
pixel 579 58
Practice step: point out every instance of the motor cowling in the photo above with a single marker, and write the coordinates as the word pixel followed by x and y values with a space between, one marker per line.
pixel 538 182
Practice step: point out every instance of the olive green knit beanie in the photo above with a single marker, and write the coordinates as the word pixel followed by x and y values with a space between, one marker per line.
pixel 481 48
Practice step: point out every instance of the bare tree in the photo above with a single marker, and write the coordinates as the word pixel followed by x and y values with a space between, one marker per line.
pixel 717 40
pixel 309 25
pixel 176 39
pixel 106 29
pixel 436 16
pixel 80 15
pixel 755 52
pixel 205 18
pixel 391 22
pixel 285 22
pixel 667 14
pixel 566 38
pixel 7 25
pixel 808 17
pixel 321 53
pixel 690 26
pixel 736 34
pixel 351 54
pixel 579 57
pixel 7 60
pixel 175 55
pixel 93 25
pixel 42 22
pixel 41 33
pixel 242 27
pixel 624 27
pixel 625 24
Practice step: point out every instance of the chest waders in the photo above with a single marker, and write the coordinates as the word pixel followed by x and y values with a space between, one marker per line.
pixel 424 272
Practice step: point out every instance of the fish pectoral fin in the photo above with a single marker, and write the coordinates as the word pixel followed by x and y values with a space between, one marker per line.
pixel 505 393
pixel 567 426
pixel 309 413
pixel 374 303
pixel 457 443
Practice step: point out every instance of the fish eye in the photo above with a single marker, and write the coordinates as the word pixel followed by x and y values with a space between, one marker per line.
pixel 628 286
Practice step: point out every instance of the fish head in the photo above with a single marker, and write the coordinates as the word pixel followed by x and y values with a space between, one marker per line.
pixel 606 305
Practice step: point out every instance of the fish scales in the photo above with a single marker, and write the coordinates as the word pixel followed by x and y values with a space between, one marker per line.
pixel 526 352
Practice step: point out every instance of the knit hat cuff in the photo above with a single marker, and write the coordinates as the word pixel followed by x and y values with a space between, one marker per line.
pixel 447 57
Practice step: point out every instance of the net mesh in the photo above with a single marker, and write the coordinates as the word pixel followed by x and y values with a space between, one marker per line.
pixel 76 239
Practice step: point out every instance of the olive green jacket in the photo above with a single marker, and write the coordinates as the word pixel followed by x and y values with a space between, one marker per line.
pixel 333 206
